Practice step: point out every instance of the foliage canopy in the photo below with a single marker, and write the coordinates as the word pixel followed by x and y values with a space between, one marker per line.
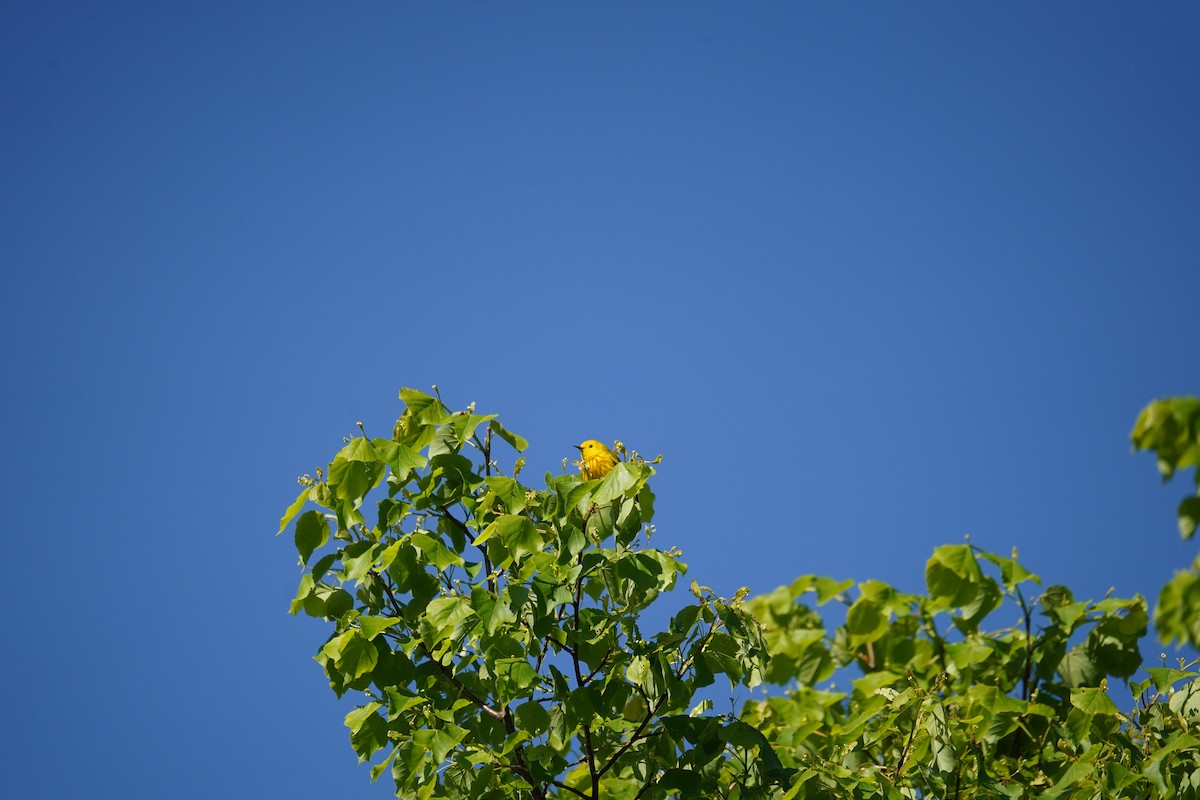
pixel 495 635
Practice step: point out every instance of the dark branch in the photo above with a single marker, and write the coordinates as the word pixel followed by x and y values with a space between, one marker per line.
pixel 589 751
pixel 570 789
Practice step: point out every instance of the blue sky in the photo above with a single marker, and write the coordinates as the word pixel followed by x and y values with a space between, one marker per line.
pixel 871 277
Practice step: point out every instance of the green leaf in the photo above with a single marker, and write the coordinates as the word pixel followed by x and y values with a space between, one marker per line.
pixel 435 552
pixel 441 741
pixel 358 449
pixel 532 717
pixel 493 612
pixel 1093 701
pixel 428 410
pixel 322 565
pixel 1178 741
pixel 330 602
pixel 383 766
pixel 1114 641
pixel 1185 702
pixel 1011 573
pixel 721 655
pixel 358 558
pixel 987 598
pixel 1189 517
pixel 373 626
pixel 514 678
pixel 1079 668
pixel 941 739
pixel 352 654
pixel 829 589
pixel 636 708
pixel 302 593
pixel 445 442
pixel 617 483
pixel 445 622
pixel 514 441
pixel 510 493
pixel 1165 677
pixel 1081 767
pixel 293 509
pixel 639 674
pixel 352 473
pixel 517 533
pixel 388 555
pixel 401 458
pixel 1055 597
pixel 399 702
pixel 645 504
pixel 581 707
pixel 866 621
pixel 368 730
pixel 952 576
pixel 964 655
pixel 312 531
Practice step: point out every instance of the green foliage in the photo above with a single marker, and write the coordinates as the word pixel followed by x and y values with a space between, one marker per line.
pixel 1171 428
pixel 493 630
pixel 944 707
pixel 493 633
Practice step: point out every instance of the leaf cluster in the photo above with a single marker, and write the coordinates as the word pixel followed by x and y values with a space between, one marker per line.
pixel 1171 428
pixel 941 706
pixel 493 630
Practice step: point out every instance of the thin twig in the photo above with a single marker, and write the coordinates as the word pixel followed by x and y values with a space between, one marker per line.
pixel 466 530
pixel 904 753
pixel 570 789
pixel 635 738
pixel 588 751
pixel 1026 613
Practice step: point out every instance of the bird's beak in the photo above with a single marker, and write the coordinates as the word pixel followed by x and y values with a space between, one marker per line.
pixel 578 447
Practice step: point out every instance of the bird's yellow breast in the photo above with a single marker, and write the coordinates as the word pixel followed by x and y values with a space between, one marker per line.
pixel 596 460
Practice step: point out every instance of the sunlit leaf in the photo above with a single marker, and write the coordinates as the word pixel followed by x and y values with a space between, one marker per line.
pixel 293 509
pixel 373 626
pixel 516 442
pixel 424 407
pixel 1093 701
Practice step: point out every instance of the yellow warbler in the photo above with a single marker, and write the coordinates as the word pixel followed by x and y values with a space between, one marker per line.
pixel 597 460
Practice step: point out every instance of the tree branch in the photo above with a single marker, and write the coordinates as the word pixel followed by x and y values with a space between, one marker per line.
pixel 588 751
pixel 444 513
pixel 570 789
pixel 500 714
pixel 1026 613
pixel 635 738
pixel 904 753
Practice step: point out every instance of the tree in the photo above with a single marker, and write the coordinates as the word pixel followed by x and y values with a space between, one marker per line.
pixel 495 628
pixel 496 633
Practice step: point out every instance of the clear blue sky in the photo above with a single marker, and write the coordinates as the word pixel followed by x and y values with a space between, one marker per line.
pixel 871 276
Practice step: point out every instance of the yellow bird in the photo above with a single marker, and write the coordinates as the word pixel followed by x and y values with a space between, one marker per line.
pixel 597 460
